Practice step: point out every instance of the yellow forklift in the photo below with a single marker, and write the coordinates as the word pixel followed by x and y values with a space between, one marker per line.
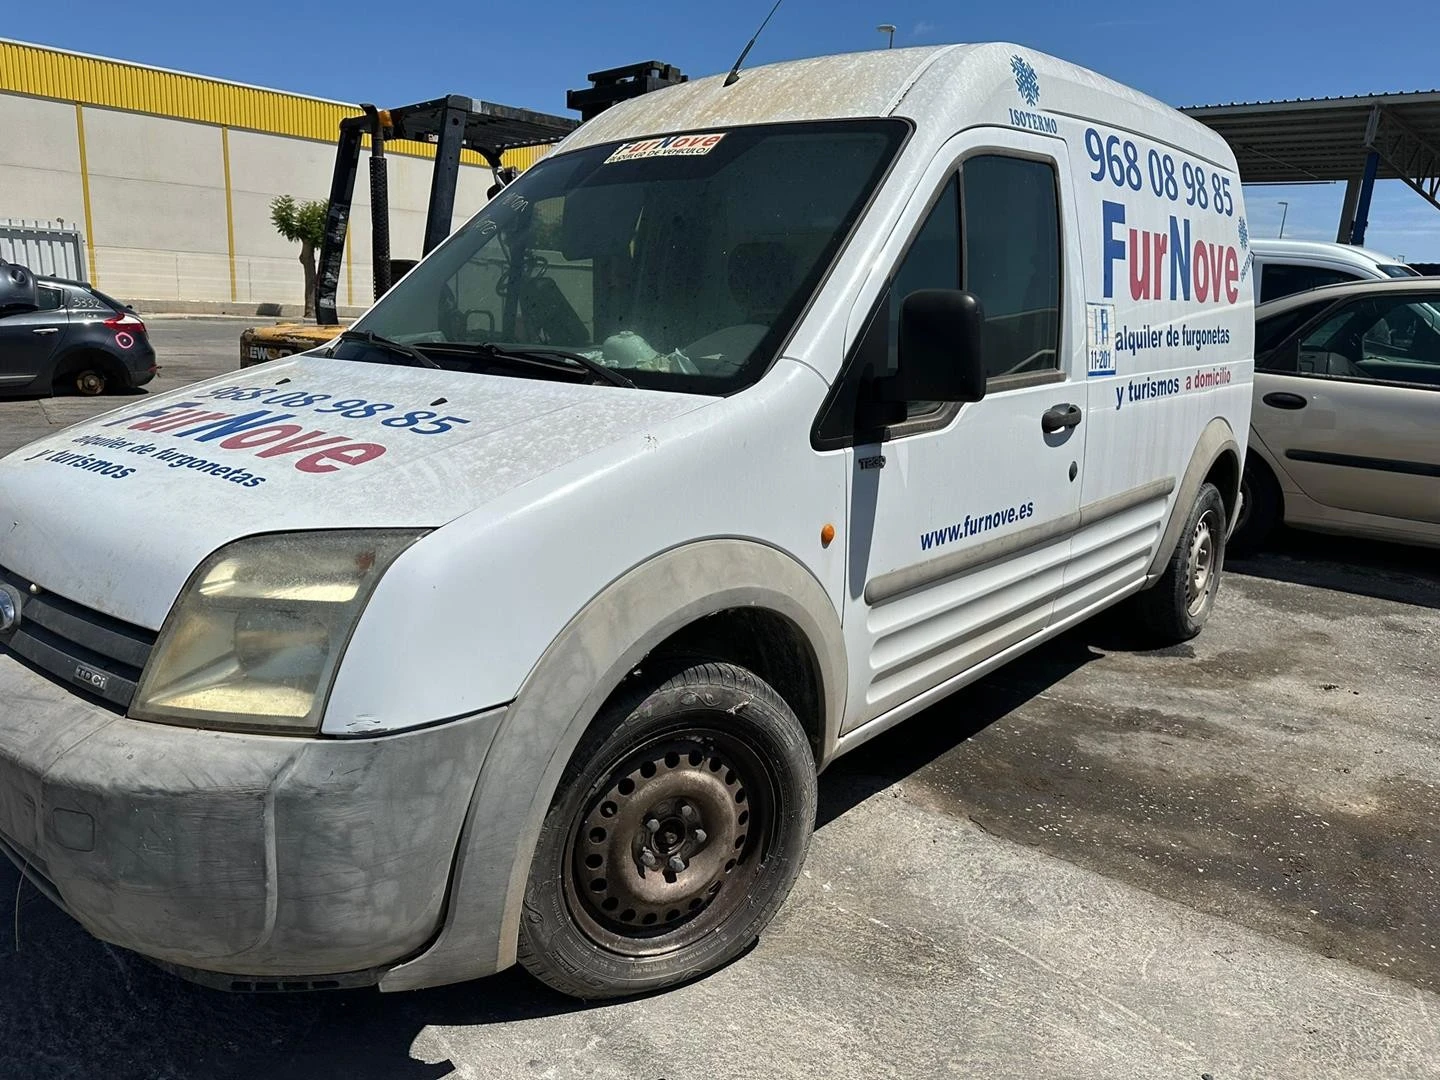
pixel 451 124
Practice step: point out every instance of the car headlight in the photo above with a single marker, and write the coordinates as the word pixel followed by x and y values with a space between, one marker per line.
pixel 254 640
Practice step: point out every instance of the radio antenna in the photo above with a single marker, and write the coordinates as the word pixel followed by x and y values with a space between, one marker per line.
pixel 734 76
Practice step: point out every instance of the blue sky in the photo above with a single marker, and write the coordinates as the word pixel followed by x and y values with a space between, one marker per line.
pixel 529 54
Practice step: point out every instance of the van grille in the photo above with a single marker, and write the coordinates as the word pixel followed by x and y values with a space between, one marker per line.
pixel 78 646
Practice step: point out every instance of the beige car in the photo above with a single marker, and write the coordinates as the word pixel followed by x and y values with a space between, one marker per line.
pixel 1345 428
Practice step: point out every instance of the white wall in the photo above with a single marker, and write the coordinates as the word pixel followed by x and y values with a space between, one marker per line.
pixel 39 161
pixel 158 209
pixel 157 203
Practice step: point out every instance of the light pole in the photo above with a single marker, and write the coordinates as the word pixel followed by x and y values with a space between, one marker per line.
pixel 887 28
pixel 1283 214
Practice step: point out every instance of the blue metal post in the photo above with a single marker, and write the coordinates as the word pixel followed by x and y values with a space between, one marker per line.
pixel 1362 207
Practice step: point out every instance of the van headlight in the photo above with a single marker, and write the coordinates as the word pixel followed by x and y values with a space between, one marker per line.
pixel 254 640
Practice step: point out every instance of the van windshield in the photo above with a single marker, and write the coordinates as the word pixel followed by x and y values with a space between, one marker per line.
pixel 679 262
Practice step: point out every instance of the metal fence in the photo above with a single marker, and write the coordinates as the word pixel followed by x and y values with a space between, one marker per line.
pixel 50 248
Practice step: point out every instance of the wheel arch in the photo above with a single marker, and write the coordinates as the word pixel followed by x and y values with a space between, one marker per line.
pixel 691 598
pixel 1216 456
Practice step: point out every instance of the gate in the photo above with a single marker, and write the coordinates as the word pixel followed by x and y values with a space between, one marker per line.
pixel 48 248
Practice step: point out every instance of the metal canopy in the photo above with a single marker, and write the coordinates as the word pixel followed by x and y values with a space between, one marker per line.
pixel 1306 140
pixel 1355 139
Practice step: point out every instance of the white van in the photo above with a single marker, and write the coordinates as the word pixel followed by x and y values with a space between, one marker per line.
pixel 1284 267
pixel 519 622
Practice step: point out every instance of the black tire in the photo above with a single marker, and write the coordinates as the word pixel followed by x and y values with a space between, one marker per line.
pixel 706 764
pixel 1262 505
pixel 1177 606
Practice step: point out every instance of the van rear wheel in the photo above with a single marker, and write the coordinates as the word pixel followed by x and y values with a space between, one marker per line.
pixel 678 830
pixel 1177 606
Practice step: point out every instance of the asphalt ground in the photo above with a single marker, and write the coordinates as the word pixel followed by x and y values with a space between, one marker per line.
pixel 1215 860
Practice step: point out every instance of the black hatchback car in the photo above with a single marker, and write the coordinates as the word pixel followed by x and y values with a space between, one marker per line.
pixel 59 336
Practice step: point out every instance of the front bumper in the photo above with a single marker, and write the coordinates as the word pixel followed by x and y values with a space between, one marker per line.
pixel 259 856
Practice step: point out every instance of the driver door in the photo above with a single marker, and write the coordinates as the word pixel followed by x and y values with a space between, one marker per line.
pixel 1351 406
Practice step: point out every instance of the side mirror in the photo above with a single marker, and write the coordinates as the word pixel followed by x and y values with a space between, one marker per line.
pixel 939 349
pixel 18 291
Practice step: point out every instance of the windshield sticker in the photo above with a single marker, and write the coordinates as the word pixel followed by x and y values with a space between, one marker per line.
pixel 673 146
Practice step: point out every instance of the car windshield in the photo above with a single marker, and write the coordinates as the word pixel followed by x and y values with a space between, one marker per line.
pixel 1398 270
pixel 681 262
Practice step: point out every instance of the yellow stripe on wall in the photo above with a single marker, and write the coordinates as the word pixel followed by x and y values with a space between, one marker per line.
pixel 229 212
pixel 85 191
pixel 115 84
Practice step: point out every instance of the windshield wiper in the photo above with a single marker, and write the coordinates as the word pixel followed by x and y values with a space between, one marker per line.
pixel 540 352
pixel 398 348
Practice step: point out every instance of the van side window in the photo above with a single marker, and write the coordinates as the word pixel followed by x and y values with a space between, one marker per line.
pixel 1012 261
pixel 933 262
pixel 1280 280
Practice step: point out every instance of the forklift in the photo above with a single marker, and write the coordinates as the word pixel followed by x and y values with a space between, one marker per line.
pixel 451 124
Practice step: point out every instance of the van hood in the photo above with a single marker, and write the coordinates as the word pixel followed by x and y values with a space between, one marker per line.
pixel 117 512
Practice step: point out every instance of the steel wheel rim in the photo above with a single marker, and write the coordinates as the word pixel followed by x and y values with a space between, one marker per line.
pixel 1201 565
pixel 698 795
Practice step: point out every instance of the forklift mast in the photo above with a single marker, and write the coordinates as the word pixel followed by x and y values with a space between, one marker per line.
pixel 451 124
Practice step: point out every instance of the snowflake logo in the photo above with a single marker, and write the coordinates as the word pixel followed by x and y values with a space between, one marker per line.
pixel 1244 235
pixel 1026 81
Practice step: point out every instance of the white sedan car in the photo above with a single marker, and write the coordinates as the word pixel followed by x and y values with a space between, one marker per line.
pixel 1345 432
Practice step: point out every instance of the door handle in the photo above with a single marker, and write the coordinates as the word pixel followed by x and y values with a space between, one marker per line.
pixel 1281 400
pixel 47 330
pixel 1061 416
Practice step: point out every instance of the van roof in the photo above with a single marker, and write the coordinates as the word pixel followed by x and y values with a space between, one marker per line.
pixel 1319 248
pixel 964 84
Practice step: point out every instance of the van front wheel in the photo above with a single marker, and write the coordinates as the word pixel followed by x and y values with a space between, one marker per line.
pixel 677 831
pixel 1177 606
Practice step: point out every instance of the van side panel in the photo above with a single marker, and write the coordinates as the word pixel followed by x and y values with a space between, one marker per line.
pixel 1168 330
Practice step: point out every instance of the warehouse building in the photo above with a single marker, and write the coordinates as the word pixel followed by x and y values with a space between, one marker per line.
pixel 168 177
